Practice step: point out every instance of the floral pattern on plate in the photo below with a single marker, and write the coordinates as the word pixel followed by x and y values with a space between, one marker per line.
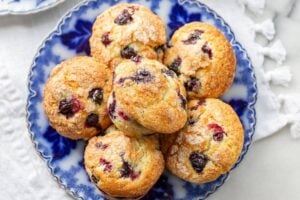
pixel 64 157
pixel 16 7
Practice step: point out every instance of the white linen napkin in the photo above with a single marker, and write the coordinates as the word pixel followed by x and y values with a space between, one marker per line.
pixel 273 111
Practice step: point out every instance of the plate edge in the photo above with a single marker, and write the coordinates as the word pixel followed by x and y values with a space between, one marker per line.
pixel 57 30
pixel 30 11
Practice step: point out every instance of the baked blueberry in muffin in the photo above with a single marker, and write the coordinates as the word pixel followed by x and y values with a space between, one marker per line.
pixel 125 31
pixel 147 97
pixel 75 97
pixel 203 59
pixel 209 144
pixel 122 166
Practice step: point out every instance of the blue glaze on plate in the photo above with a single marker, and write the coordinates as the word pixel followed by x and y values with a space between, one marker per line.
pixel 78 38
pixel 179 17
pixel 16 7
pixel 65 157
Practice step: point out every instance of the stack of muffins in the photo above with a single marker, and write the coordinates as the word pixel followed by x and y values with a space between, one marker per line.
pixel 160 98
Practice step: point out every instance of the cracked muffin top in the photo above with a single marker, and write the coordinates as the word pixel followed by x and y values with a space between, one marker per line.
pixel 123 166
pixel 75 97
pixel 209 144
pixel 203 59
pixel 123 26
pixel 149 95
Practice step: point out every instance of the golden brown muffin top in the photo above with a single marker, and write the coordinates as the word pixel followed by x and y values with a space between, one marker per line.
pixel 75 97
pixel 208 146
pixel 122 25
pixel 123 166
pixel 150 94
pixel 203 58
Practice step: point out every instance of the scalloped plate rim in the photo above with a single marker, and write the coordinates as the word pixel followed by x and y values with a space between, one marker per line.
pixel 31 11
pixel 58 29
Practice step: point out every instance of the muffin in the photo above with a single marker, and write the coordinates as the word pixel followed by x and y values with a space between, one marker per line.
pixel 147 97
pixel 126 30
pixel 203 58
pixel 122 166
pixel 75 97
pixel 208 146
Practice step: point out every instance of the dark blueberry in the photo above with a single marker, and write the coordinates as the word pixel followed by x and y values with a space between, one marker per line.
pixel 107 165
pixel 128 52
pixel 94 179
pixel 96 94
pixel 137 59
pixel 199 103
pixel 207 50
pixel 160 48
pixel 168 72
pixel 218 132
pixel 176 65
pixel 124 18
pixel 123 116
pixel 105 39
pixel 193 84
pixel 69 107
pixel 125 170
pixel 198 161
pixel 143 76
pixel 218 136
pixel 92 120
pixel 182 100
pixel 65 107
pixel 128 172
pixel 193 37
pixel 102 146
pixel 112 107
pixel 191 121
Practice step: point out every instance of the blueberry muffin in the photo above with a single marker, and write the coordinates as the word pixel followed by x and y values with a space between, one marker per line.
pixel 127 30
pixel 208 146
pixel 75 97
pixel 147 97
pixel 203 58
pixel 122 166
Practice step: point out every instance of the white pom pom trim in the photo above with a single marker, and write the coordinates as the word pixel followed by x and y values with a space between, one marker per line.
pixel 291 107
pixel 266 28
pixel 276 51
pixel 279 76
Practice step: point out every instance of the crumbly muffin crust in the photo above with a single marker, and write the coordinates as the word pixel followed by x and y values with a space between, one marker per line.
pixel 75 97
pixel 208 146
pixel 123 166
pixel 126 25
pixel 147 97
pixel 203 58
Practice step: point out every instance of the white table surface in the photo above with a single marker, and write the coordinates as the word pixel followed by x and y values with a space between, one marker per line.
pixel 271 170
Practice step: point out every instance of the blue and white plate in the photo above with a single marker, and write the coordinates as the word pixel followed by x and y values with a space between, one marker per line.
pixel 65 157
pixel 22 7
